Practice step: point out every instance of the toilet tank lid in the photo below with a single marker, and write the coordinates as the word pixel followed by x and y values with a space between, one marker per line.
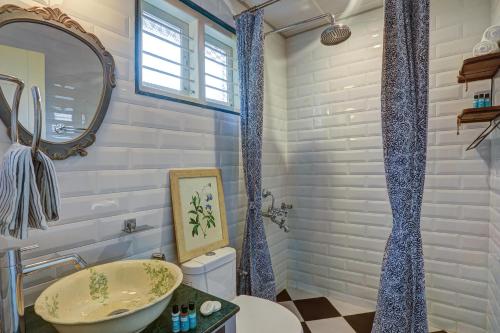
pixel 207 262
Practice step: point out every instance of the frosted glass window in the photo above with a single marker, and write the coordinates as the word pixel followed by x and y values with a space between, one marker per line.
pixel 165 58
pixel 218 71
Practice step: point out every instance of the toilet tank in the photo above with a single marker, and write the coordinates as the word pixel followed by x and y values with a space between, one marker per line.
pixel 213 273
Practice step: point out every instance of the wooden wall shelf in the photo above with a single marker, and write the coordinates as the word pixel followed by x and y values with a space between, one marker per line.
pixel 479 68
pixel 479 115
pixel 489 114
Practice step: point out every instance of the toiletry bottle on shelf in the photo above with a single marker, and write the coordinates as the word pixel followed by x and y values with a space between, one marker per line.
pixel 184 318
pixel 475 103
pixel 487 100
pixel 481 101
pixel 176 324
pixel 192 316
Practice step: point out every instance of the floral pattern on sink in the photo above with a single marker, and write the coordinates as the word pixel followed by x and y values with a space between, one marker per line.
pixel 52 305
pixel 98 286
pixel 161 280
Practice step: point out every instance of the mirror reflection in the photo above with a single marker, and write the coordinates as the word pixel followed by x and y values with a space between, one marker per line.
pixel 67 71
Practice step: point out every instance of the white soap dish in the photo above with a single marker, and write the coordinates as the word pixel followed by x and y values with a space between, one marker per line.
pixel 209 307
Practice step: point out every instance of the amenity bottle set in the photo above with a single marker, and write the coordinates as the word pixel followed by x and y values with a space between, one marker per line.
pixel 184 320
pixel 482 99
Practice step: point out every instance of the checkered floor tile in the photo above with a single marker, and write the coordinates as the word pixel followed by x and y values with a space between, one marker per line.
pixel 324 315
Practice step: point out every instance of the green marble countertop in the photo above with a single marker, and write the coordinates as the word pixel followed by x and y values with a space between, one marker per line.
pixel 182 295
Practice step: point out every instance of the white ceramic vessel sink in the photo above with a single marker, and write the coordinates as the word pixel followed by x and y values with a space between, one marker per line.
pixel 119 297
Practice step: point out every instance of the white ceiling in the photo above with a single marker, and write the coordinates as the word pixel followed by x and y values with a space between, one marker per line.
pixel 286 12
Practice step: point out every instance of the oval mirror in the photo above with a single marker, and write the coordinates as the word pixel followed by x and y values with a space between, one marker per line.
pixel 75 75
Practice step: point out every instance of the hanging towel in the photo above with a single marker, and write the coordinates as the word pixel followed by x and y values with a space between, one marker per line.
pixel 29 194
pixel 47 186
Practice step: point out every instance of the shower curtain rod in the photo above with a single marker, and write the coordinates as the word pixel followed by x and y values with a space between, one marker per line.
pixel 257 7
pixel 288 27
pixel 294 25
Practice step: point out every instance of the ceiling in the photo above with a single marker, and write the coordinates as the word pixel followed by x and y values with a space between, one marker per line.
pixel 286 12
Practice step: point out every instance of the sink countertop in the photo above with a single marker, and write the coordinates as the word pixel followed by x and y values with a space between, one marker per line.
pixel 182 295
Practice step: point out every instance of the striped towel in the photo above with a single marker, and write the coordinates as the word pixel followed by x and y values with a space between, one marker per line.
pixel 47 186
pixel 29 195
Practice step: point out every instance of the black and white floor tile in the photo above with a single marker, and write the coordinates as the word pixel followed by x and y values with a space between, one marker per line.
pixel 325 315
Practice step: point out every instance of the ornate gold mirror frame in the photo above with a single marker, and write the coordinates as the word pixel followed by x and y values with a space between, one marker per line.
pixel 55 18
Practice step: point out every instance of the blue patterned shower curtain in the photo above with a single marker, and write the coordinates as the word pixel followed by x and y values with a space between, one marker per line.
pixel 401 304
pixel 256 275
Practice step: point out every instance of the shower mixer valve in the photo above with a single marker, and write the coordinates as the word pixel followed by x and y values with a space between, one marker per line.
pixel 277 215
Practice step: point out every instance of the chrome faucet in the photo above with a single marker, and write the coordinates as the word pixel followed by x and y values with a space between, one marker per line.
pixel 11 285
pixel 277 215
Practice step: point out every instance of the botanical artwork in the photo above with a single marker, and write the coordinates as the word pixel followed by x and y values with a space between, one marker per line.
pixel 199 211
pixel 201 215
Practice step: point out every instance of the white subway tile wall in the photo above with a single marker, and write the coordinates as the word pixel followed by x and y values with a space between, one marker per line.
pixel 125 174
pixel 336 175
pixel 494 244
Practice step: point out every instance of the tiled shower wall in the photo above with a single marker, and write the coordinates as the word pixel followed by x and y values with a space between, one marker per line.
pixel 125 174
pixel 336 174
pixel 494 259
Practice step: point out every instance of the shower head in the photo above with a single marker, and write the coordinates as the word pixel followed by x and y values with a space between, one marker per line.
pixel 335 33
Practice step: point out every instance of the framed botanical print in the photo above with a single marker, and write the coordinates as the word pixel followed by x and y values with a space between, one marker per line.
pixel 199 211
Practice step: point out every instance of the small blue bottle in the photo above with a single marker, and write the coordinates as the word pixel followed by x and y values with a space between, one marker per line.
pixel 480 101
pixel 192 316
pixel 475 103
pixel 487 100
pixel 176 323
pixel 184 318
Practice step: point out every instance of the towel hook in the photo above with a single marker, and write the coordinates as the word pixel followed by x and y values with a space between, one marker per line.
pixel 15 104
pixel 37 128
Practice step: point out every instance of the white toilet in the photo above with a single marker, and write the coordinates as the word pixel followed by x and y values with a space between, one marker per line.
pixel 215 273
